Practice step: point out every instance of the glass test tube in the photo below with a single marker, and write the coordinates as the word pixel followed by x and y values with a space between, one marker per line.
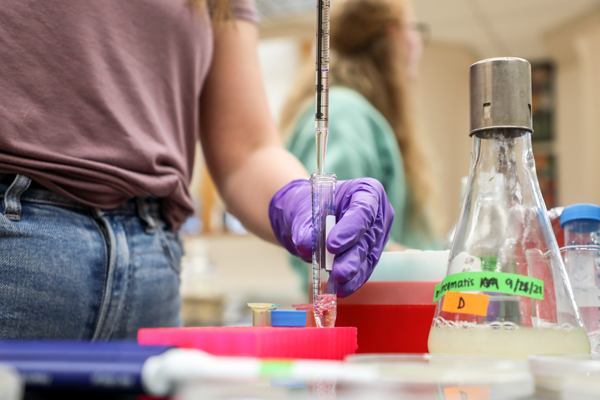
pixel 323 218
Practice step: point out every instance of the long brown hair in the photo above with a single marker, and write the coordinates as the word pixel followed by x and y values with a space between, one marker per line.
pixel 366 58
pixel 220 10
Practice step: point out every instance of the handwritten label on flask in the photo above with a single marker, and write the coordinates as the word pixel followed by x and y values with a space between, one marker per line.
pixel 466 303
pixel 484 281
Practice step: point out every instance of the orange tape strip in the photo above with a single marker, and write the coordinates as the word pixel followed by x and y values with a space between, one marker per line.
pixel 466 303
pixel 468 393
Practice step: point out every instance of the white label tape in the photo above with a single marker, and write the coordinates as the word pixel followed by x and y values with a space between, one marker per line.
pixel 329 224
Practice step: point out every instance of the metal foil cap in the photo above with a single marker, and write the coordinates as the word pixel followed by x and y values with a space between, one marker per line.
pixel 500 94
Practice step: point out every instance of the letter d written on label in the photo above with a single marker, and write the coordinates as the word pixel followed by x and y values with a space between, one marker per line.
pixel 466 303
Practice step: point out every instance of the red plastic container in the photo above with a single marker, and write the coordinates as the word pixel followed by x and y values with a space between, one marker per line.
pixel 260 341
pixel 391 317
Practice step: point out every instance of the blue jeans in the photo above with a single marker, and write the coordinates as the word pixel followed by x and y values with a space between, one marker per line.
pixel 69 271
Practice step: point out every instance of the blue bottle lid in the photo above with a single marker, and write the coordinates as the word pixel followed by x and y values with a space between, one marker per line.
pixel 288 318
pixel 579 212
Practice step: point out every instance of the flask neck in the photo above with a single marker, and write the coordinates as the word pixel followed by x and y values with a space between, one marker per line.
pixel 507 152
pixel 503 195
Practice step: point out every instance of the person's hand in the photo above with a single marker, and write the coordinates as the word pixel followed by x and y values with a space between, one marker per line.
pixel 364 217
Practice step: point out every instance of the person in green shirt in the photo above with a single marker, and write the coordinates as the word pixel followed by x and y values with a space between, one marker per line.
pixel 375 50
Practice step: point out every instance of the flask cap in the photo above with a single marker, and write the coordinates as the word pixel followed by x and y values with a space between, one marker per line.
pixel 578 212
pixel 500 90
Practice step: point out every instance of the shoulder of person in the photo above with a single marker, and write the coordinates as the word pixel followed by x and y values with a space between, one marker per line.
pixel 354 107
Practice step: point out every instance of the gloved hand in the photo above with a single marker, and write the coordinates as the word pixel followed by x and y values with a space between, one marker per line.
pixel 364 217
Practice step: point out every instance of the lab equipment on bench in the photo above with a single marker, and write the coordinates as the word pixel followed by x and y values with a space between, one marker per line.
pixel 288 318
pixel 165 372
pixel 581 254
pixel 553 371
pixel 322 83
pixel 448 377
pixel 324 294
pixel 79 366
pixel 11 385
pixel 393 310
pixel 260 313
pixel 506 292
pixel 259 341
pixel 310 315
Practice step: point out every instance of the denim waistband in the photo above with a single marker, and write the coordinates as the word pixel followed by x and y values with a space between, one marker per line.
pixel 39 194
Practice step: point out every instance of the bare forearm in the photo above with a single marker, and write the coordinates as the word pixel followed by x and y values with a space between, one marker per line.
pixel 242 148
pixel 248 191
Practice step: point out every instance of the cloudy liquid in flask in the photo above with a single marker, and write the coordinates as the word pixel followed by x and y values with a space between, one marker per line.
pixel 517 343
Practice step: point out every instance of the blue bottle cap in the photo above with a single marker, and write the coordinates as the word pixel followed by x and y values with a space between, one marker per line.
pixel 288 318
pixel 579 212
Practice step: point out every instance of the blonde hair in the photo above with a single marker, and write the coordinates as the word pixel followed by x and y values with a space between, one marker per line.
pixel 220 10
pixel 369 60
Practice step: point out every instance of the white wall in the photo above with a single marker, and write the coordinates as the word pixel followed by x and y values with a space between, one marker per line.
pixel 443 118
pixel 279 62
pixel 576 48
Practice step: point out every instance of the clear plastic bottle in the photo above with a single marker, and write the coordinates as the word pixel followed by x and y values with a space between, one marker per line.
pixel 323 217
pixel 581 224
pixel 504 242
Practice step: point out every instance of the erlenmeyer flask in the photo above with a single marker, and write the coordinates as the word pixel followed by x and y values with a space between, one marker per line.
pixel 506 292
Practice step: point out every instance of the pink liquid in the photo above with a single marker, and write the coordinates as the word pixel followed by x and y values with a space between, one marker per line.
pixel 325 310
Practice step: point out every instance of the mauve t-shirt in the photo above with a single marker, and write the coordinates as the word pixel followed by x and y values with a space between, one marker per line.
pixel 99 99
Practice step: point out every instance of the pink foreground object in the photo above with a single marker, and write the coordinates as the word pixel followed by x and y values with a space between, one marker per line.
pixel 258 341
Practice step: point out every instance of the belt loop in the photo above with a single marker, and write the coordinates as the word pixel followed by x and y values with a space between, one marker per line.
pixel 144 214
pixel 97 213
pixel 12 197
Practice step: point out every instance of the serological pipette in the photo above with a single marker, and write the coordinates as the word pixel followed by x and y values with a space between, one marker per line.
pixel 322 82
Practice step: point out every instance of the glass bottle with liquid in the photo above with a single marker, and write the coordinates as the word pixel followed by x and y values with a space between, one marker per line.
pixel 506 292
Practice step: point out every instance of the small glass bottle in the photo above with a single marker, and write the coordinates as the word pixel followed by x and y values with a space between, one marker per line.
pixel 323 219
pixel 506 292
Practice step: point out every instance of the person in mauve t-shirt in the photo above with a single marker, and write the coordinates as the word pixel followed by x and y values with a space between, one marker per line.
pixel 101 106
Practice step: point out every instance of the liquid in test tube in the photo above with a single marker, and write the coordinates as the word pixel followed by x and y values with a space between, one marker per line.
pixel 323 218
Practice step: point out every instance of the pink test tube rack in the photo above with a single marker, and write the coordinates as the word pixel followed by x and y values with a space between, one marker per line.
pixel 263 342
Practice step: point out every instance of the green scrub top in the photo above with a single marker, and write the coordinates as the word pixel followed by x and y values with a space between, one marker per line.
pixel 361 143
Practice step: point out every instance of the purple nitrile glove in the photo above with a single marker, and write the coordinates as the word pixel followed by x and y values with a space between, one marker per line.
pixel 364 217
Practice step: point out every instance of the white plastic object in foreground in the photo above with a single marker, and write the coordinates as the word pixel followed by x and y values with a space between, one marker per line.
pixel 581 387
pixel 551 371
pixel 162 373
pixel 11 386
pixel 404 375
